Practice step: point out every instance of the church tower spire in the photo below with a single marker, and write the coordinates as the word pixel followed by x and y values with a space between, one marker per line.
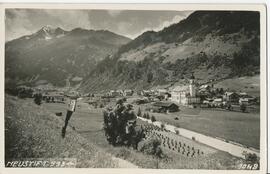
pixel 192 88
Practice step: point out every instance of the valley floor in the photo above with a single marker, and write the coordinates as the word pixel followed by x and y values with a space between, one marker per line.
pixel 243 128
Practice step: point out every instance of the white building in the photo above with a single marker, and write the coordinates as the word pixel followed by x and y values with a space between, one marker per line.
pixel 185 95
pixel 179 94
pixel 161 91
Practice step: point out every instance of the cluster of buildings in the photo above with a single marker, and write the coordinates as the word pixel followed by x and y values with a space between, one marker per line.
pixel 118 93
pixel 191 94
pixel 194 94
pixel 181 95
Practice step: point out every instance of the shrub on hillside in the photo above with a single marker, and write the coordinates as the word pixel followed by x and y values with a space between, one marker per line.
pixel 101 105
pixel 139 113
pixel 162 126
pixel 151 147
pixel 38 99
pixel 144 115
pixel 177 131
pixel 147 116
pixel 153 118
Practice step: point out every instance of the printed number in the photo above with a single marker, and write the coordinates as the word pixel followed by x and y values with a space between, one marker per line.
pixel 250 166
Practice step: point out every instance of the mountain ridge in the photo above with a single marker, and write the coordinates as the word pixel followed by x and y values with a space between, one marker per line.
pixel 52 55
pixel 210 44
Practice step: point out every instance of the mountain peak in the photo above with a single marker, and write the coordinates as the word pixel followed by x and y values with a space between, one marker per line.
pixel 47 28
pixel 49 32
pixel 50 29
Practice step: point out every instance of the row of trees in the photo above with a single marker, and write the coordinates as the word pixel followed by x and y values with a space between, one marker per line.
pixel 146 115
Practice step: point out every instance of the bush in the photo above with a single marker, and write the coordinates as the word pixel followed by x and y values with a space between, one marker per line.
pixel 147 116
pixel 162 126
pixel 139 113
pixel 251 158
pixel 144 115
pixel 177 131
pixel 151 147
pixel 25 92
pixel 101 105
pixel 120 127
pixel 243 107
pixel 38 99
pixel 153 118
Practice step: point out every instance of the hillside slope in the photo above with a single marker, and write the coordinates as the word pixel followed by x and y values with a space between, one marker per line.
pixel 54 55
pixel 32 132
pixel 210 44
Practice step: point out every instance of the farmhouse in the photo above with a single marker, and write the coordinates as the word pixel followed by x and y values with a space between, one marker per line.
pixel 231 97
pixel 167 96
pixel 53 97
pixel 247 100
pixel 204 88
pixel 243 94
pixel 141 101
pixel 243 101
pixel 166 106
pixel 114 93
pixel 162 92
pixel 217 102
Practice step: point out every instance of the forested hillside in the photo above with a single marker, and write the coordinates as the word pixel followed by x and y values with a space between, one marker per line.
pixel 210 44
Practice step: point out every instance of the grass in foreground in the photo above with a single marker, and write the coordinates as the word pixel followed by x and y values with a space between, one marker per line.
pixel 33 132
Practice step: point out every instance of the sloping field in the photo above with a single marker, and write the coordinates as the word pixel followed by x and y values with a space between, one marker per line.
pixel 32 132
pixel 251 85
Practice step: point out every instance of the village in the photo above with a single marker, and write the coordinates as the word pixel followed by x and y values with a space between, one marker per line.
pixel 191 95
pixel 161 100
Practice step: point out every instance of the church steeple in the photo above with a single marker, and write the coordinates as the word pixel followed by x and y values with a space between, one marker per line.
pixel 192 89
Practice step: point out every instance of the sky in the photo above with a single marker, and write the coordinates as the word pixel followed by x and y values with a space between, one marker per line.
pixel 20 22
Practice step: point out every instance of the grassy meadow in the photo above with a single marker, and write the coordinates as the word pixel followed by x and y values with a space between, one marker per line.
pixel 243 128
pixel 87 121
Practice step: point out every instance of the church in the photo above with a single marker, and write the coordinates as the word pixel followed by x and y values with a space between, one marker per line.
pixel 187 94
